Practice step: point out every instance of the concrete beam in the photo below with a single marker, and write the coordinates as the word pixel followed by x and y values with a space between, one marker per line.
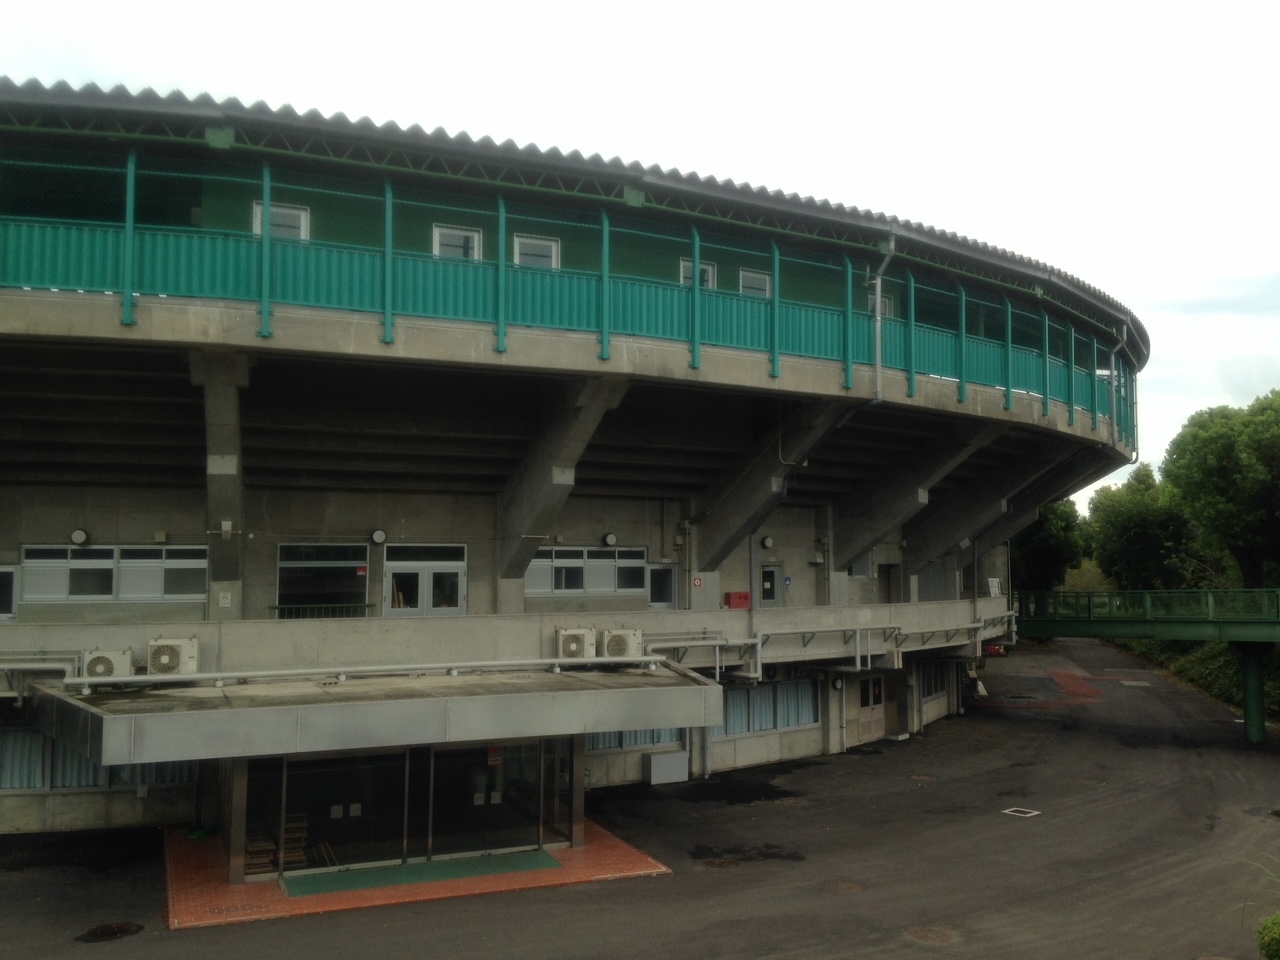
pixel 740 500
pixel 530 502
pixel 1086 467
pixel 864 518
pixel 936 532
pixel 223 374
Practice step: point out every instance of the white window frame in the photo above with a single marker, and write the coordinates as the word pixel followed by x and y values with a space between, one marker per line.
pixel 888 308
pixel 521 239
pixel 303 214
pixel 755 714
pixel 53 576
pixel 707 269
pixel 476 235
pixel 933 679
pixel 599 573
pixel 765 280
pixel 357 565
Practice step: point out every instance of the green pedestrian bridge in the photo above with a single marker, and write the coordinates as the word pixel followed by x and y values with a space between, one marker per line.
pixel 1247 619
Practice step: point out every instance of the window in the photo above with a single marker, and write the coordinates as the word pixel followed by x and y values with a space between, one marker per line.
pixel 30 761
pixel 628 739
pixel 541 252
pixel 887 308
pixel 287 222
pixel 462 243
pixel 598 570
pixel 754 283
pixel 705 267
pixel 322 580
pixel 769 706
pixel 114 573
pixel 933 679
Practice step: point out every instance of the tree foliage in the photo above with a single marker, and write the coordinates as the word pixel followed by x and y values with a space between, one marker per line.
pixel 1041 555
pixel 1142 540
pixel 1223 470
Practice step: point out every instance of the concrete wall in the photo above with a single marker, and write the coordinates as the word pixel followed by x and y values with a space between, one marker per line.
pixel 95 809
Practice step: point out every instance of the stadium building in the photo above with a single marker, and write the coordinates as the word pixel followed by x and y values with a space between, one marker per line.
pixel 373 493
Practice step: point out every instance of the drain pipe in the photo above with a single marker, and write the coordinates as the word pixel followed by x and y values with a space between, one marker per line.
pixel 1115 388
pixel 879 318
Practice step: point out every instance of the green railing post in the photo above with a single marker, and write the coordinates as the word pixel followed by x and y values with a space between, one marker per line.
pixel 605 315
pixel 501 345
pixel 126 267
pixel 388 268
pixel 264 329
pixel 1208 603
pixel 911 333
pixel 775 315
pixel 962 348
pixel 1044 320
pixel 1093 378
pixel 1146 605
pixel 1008 354
pixel 848 323
pixel 1071 376
pixel 695 304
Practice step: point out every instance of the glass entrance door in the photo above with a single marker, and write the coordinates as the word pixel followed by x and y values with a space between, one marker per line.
pixel 421 581
pixel 485 799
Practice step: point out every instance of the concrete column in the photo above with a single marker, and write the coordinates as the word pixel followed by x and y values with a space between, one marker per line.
pixel 579 800
pixel 1254 699
pixel 234 816
pixel 223 375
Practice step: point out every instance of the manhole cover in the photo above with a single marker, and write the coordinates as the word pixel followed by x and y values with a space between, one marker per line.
pixel 109 931
pixel 936 935
pixel 1021 812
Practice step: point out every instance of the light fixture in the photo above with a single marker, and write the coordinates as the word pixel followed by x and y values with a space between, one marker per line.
pixel 226 529
pixel 379 536
pixel 766 542
pixel 610 539
pixel 837 683
pixel 78 536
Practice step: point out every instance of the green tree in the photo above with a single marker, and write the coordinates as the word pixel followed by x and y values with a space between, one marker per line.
pixel 1041 555
pixel 1224 471
pixel 1141 540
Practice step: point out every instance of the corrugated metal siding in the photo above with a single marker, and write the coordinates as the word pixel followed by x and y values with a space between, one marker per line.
pixel 545 298
pixel 732 321
pixel 812 331
pixel 1059 378
pixel 985 362
pixel 21 760
pixel 936 352
pixel 453 289
pixel 192 265
pixel 322 276
pixel 62 256
pixel 650 309
pixel 72 769
pixel 894 334
pixel 1028 370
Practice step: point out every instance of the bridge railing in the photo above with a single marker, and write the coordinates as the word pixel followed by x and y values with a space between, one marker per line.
pixel 1250 605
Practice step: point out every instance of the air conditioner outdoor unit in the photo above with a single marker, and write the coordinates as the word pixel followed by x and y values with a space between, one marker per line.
pixel 578 642
pixel 108 663
pixel 620 643
pixel 173 656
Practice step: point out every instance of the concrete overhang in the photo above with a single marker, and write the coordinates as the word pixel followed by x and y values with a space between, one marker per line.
pixel 299 716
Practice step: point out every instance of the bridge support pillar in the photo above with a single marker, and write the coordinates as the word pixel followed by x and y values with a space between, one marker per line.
pixel 1255 707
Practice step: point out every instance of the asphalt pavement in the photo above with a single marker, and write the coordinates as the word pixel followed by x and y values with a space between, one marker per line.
pixel 1088 806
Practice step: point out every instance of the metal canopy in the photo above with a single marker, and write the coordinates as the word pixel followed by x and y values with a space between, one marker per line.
pixel 285 717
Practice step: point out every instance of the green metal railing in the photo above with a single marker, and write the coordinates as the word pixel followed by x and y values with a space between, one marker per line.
pixel 1152 606
pixel 322 611
pixel 1067 364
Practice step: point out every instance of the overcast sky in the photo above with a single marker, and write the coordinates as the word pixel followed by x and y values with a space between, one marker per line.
pixel 1133 145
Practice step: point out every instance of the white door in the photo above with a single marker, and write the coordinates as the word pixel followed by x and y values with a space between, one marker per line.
pixel 424 581
pixel 871 709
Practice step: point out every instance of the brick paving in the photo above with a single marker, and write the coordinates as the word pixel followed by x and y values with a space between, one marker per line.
pixel 200 896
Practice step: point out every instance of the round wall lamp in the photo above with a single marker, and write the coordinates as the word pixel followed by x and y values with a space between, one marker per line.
pixel 379 536
pixel 610 539
pixel 837 683
pixel 78 536
pixel 766 542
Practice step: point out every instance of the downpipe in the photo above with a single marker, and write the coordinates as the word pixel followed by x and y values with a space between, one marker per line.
pixel 879 318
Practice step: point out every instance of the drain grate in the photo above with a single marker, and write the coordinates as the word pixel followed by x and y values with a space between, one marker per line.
pixel 1021 812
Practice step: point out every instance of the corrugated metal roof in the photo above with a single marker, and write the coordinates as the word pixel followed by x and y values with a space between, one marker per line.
pixel 148 102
